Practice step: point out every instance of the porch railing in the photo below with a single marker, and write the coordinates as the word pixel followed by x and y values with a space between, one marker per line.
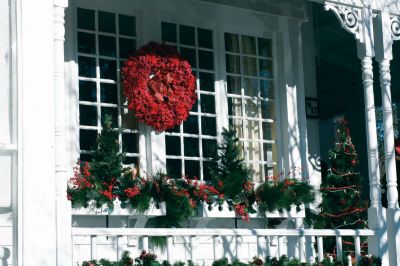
pixel 259 235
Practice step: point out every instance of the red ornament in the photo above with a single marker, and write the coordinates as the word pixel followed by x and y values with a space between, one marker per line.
pixel 159 86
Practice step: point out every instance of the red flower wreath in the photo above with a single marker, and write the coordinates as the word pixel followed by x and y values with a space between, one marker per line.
pixel 159 86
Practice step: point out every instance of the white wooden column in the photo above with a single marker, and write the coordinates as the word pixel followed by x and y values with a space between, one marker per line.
pixel 385 32
pixel 63 206
pixel 359 22
pixel 290 82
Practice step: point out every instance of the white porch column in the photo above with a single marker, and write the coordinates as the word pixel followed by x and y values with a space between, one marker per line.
pixel 384 32
pixel 359 22
pixel 63 206
pixel 291 84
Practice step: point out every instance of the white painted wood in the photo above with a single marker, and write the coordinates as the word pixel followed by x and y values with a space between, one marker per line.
pixel 339 249
pixel 383 49
pixel 63 206
pixel 320 248
pixel 357 245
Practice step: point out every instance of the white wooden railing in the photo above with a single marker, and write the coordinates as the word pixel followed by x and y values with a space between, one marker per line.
pixel 191 235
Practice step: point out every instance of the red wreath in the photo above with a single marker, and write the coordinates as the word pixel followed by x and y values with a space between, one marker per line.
pixel 159 86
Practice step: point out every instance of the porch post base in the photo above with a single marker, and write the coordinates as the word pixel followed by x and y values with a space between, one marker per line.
pixel 377 245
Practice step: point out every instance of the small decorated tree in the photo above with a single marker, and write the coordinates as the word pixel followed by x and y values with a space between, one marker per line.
pixel 231 176
pixel 342 206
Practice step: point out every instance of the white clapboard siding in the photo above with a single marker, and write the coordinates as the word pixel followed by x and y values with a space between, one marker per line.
pixel 7 151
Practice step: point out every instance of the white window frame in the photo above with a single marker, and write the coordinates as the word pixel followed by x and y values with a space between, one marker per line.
pixel 148 23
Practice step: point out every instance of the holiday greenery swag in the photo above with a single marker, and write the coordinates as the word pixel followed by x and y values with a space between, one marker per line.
pixel 159 86
pixel 342 206
pixel 149 259
pixel 104 181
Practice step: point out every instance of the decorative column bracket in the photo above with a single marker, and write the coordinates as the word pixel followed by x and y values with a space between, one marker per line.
pixel 349 17
pixel 395 27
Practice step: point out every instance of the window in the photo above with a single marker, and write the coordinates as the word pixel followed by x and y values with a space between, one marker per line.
pixel 105 39
pixel 190 145
pixel 251 100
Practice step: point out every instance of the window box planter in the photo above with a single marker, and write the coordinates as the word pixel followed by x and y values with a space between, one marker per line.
pixel 153 210
pixel 223 211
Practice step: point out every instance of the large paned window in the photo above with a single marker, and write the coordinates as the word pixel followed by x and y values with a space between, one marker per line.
pixel 105 40
pixel 251 100
pixel 190 145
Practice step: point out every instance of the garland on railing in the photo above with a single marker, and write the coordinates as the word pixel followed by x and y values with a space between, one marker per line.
pixel 103 181
pixel 149 259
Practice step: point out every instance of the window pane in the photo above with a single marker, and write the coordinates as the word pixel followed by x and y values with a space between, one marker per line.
pixel 208 126
pixel 110 111
pixel 267 109
pixel 251 108
pixel 175 129
pixel 248 45
pixel 249 66
pixel 191 125
pixel 133 161
pixel 190 55
pixel 186 35
pixel 127 25
pixel 253 129
pixel 232 42
pixel 268 153
pixel 168 32
pixel 237 125
pixel 268 131
pixel 235 106
pixel 267 89
pixel 126 47
pixel 130 142
pixel 86 43
pixel 106 22
pixel 266 68
pixel 206 81
pixel 87 139
pixel 87 115
pixel 254 151
pixel 129 120
pixel 256 172
pixel 87 91
pixel 206 60
pixel 250 87
pixel 173 145
pixel 207 103
pixel 205 38
pixel 108 93
pixel 85 157
pixel 191 147
pixel 107 46
pixel 192 169
pixel 206 170
pixel 233 64
pixel 108 69
pixel 264 47
pixel 85 19
pixel 209 147
pixel 174 168
pixel 233 84
pixel 87 66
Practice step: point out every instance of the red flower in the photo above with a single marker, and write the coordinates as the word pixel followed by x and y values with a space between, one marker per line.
pixel 131 192
pixel 159 86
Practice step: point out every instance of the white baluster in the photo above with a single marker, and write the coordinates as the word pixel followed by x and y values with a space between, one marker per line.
pixel 320 246
pixel 192 245
pixel 259 246
pixel 280 246
pixel 339 247
pixel 357 248
pixel 215 246
pixel 93 247
pixel 145 243
pixel 169 249
pixel 349 263
pixel 119 247
pixel 302 241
